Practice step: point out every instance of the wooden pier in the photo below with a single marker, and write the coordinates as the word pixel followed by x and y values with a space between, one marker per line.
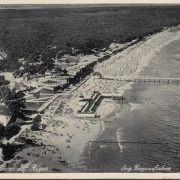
pixel 145 80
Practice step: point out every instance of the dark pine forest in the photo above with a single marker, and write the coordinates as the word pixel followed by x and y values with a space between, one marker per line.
pixel 45 32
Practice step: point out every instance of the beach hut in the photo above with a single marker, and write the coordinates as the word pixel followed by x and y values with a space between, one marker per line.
pixel 81 97
pixel 46 90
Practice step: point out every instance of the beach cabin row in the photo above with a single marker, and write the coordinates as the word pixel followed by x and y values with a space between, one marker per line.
pixel 88 104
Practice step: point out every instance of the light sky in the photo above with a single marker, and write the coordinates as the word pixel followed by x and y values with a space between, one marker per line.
pixel 87 1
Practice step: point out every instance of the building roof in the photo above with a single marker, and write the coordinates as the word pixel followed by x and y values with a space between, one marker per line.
pixel 3 120
pixel 84 100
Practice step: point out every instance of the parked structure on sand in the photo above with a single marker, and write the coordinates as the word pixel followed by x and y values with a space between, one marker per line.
pixel 88 109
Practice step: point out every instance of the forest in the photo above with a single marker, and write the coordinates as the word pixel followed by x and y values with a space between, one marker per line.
pixel 29 33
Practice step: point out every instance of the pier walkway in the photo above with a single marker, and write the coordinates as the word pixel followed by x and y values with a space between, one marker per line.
pixel 144 79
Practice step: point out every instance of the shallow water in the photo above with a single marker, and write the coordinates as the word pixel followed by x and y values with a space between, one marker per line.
pixel 146 131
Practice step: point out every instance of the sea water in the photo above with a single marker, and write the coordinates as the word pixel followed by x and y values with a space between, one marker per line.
pixel 145 132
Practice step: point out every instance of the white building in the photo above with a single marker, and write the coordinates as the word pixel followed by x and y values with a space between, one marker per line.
pixel 48 73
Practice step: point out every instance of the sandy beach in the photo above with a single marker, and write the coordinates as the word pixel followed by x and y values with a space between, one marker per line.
pixel 66 136
pixel 128 63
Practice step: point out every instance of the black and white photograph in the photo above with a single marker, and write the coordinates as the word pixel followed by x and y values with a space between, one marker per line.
pixel 90 88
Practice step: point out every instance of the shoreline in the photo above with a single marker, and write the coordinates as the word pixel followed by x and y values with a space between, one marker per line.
pixel 132 61
pixel 140 68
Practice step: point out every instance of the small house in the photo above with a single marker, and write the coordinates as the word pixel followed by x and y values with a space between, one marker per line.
pixel 48 73
pixel 53 71
pixel 26 76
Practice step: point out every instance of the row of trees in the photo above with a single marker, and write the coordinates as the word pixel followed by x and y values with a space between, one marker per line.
pixel 14 101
